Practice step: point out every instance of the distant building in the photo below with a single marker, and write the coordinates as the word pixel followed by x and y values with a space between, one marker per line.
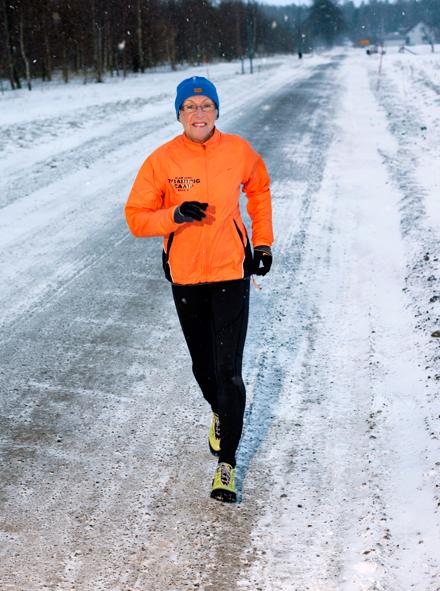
pixel 393 39
pixel 420 34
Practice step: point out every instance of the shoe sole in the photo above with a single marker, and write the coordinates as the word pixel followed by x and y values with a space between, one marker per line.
pixel 226 496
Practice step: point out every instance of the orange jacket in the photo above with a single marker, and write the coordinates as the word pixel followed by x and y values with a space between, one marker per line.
pixel 217 248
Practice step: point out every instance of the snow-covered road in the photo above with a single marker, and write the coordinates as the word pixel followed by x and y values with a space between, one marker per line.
pixel 106 470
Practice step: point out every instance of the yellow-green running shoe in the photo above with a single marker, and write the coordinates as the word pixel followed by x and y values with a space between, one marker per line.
pixel 223 484
pixel 214 435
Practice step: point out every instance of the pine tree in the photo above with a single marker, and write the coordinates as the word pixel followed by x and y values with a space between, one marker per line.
pixel 325 22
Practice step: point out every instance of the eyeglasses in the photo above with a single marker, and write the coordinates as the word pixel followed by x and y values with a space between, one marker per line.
pixel 192 108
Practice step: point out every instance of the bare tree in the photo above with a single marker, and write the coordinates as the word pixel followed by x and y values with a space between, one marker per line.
pixel 13 76
pixel 238 45
pixel 170 28
pixel 47 61
pixel 140 45
pixel 24 54
pixel 97 41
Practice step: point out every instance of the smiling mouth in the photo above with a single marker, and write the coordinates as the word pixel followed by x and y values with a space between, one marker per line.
pixel 200 124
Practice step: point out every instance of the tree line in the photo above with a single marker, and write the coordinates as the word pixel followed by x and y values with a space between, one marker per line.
pixel 93 38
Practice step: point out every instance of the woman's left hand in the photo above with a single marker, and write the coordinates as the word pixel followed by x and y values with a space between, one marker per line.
pixel 262 260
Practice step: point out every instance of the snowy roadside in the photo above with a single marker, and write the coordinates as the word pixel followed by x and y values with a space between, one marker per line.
pixel 412 106
pixel 409 95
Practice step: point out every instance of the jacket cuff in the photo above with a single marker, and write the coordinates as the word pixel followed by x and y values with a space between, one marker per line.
pixel 264 248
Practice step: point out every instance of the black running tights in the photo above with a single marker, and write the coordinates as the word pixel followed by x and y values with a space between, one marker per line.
pixel 214 318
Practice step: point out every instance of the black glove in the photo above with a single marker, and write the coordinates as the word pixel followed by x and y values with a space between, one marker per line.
pixel 190 211
pixel 262 260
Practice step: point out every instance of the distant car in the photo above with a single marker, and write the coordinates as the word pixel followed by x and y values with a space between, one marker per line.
pixel 372 49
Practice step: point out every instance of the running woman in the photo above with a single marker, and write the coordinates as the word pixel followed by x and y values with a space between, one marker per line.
pixel 188 191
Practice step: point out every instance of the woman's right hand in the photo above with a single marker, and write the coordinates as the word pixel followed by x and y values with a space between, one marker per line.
pixel 190 211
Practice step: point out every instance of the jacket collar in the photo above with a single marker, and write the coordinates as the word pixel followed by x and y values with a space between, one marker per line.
pixel 213 141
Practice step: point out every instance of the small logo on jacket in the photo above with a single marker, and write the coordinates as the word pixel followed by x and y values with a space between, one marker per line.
pixel 183 183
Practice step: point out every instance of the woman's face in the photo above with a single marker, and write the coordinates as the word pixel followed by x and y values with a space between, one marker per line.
pixel 198 124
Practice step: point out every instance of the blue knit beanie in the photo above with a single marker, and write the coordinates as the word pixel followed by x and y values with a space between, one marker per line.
pixel 197 85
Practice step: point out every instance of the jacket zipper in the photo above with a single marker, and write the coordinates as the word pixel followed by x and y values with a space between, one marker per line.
pixel 204 253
